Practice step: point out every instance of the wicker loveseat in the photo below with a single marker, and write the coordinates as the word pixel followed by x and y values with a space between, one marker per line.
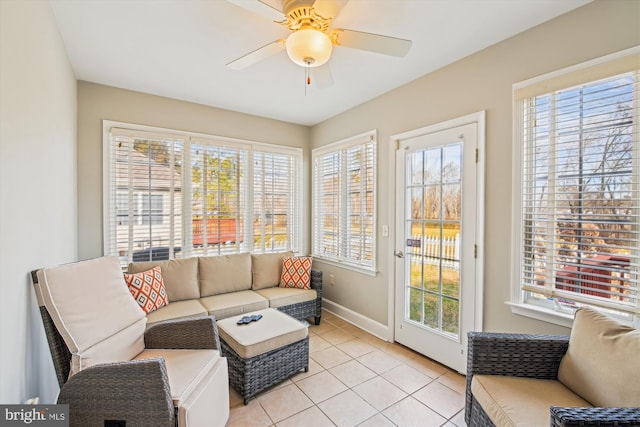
pixel 228 285
pixel 589 379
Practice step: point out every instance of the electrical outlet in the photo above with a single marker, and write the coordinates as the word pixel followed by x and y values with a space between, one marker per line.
pixel 332 280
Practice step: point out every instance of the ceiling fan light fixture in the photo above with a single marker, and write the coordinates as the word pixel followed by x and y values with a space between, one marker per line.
pixel 309 47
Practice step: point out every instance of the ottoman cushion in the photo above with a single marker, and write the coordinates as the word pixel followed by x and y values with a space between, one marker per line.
pixel 273 331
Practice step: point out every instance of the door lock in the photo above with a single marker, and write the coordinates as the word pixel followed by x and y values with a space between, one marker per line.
pixel 399 254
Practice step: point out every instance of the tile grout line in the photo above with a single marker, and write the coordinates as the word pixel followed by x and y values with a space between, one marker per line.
pixel 403 356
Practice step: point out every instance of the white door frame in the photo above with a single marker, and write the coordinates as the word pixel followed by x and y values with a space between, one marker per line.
pixel 479 119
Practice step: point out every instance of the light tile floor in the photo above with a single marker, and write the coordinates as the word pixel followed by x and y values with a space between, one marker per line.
pixel 356 379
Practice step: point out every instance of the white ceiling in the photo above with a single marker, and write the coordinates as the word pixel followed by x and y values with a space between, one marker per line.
pixel 179 48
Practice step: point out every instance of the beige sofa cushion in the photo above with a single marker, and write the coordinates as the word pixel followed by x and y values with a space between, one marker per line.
pixel 180 277
pixel 93 310
pixel 602 363
pixel 279 297
pixel 267 269
pixel 274 330
pixel 514 401
pixel 224 273
pixel 177 310
pixel 225 305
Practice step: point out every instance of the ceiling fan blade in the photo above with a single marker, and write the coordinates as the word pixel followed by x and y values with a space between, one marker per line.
pixel 259 7
pixel 257 55
pixel 329 8
pixel 372 42
pixel 322 76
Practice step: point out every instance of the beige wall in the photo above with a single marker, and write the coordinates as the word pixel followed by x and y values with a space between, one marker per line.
pixel 480 82
pixel 97 103
pixel 38 220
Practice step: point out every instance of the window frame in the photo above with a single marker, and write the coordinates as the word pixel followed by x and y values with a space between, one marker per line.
pixel 522 302
pixel 184 237
pixel 341 148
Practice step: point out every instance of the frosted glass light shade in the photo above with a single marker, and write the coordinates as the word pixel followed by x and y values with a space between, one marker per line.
pixel 309 47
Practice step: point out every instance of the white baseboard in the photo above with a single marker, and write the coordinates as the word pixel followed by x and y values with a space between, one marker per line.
pixel 373 327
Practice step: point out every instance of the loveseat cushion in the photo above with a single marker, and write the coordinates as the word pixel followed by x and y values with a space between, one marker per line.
pixel 515 401
pixel 222 274
pixel 180 276
pixel 178 310
pixel 279 297
pixel 233 303
pixel 267 269
pixel 602 361
pixel 92 309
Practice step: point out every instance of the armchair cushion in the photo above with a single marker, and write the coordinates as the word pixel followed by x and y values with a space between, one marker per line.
pixel 98 319
pixel 602 361
pixel 185 368
pixel 198 384
pixel 180 276
pixel 516 401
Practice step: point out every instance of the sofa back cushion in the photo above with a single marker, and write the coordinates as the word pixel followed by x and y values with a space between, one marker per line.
pixel 180 276
pixel 224 273
pixel 602 362
pixel 267 269
pixel 93 310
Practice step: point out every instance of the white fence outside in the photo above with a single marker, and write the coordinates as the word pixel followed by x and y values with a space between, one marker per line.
pixel 434 250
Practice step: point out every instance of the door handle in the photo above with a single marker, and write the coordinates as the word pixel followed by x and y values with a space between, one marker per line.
pixel 398 254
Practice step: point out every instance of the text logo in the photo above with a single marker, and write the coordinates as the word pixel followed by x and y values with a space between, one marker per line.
pixel 34 415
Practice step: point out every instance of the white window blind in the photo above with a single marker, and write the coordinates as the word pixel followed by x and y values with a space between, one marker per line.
pixel 171 195
pixel 580 193
pixel 218 197
pixel 276 186
pixel 344 179
pixel 145 195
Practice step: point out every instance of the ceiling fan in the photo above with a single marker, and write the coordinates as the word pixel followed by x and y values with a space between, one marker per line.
pixel 312 39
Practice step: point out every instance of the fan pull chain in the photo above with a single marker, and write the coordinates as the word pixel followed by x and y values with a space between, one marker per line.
pixel 307 75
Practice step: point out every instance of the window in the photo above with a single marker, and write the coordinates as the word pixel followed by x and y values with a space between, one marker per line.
pixel 578 211
pixel 274 204
pixel 122 208
pixel 173 194
pixel 152 209
pixel 344 178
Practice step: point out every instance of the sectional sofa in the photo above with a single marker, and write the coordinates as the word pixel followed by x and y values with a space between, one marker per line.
pixel 228 285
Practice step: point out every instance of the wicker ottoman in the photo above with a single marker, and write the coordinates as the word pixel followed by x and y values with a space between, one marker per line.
pixel 263 353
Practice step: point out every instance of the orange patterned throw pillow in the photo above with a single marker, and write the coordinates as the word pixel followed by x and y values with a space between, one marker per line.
pixel 147 289
pixel 296 272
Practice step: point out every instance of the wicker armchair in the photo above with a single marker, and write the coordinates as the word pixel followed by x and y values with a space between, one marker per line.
pixel 138 392
pixel 531 356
